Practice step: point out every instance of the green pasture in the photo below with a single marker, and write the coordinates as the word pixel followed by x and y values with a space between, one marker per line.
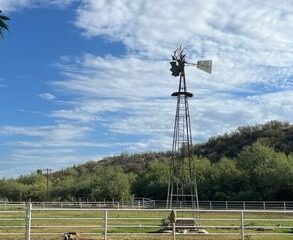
pixel 136 224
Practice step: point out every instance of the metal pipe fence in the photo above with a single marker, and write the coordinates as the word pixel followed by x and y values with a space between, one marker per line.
pixel 33 222
pixel 158 204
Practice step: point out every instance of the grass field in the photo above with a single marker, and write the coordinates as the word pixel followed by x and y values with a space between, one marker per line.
pixel 136 224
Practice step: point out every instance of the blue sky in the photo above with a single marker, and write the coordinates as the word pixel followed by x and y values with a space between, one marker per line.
pixel 80 80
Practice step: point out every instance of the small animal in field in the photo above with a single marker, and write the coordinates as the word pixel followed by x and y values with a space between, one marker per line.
pixel 71 236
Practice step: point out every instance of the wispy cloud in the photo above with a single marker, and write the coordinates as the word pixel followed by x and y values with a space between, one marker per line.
pixel 249 43
pixel 124 101
pixel 56 133
pixel 47 96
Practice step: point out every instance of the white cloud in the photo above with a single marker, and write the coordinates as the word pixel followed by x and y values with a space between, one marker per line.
pixel 249 41
pixel 131 95
pixel 155 27
pixel 47 96
pixel 139 102
pixel 116 97
pixel 112 77
pixel 58 134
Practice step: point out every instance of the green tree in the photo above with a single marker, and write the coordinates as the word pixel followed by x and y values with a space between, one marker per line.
pixel 226 180
pixel 63 188
pixel 204 171
pixel 3 24
pixel 267 171
pixel 36 186
pixel 153 182
pixel 110 183
pixel 12 190
pixel 286 188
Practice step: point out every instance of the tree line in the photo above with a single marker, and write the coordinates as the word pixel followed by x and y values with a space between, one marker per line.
pixel 252 163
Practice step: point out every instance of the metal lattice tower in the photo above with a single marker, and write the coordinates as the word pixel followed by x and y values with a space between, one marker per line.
pixel 182 187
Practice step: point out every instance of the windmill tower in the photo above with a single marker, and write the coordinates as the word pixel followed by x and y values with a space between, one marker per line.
pixel 182 187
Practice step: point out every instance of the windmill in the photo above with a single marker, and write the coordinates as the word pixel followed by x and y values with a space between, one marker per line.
pixel 182 187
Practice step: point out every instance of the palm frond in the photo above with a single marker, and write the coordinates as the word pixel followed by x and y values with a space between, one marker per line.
pixel 3 24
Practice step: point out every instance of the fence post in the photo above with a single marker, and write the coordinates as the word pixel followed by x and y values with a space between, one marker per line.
pixel 242 226
pixel 172 219
pixel 106 224
pixel 174 231
pixel 285 207
pixel 28 221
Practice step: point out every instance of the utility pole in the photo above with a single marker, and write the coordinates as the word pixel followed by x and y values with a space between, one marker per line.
pixel 48 171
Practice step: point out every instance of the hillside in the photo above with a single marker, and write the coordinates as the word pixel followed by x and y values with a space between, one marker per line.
pixel 275 134
pixel 251 163
pixel 136 163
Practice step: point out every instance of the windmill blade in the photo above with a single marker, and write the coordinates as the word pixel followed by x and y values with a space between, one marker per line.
pixel 205 65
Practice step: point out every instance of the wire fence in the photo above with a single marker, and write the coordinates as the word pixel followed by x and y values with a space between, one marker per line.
pixel 30 221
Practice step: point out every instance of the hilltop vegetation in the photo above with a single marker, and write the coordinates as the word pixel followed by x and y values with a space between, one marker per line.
pixel 277 135
pixel 251 163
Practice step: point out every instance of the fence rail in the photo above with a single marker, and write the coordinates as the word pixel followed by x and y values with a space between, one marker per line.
pixel 52 222
pixel 157 204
